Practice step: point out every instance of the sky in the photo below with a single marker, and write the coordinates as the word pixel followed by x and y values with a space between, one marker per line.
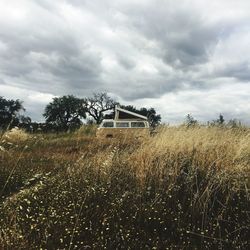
pixel 179 56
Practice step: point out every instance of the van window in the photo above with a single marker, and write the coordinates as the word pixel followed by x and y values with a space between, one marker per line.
pixel 108 125
pixel 122 125
pixel 137 124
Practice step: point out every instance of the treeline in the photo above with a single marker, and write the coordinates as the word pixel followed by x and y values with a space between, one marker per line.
pixel 190 121
pixel 67 113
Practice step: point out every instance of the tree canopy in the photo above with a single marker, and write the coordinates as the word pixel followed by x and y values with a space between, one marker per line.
pixel 97 105
pixel 218 122
pixel 10 112
pixel 190 121
pixel 65 112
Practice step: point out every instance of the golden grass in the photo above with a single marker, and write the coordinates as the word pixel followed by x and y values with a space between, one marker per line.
pixel 15 135
pixel 223 149
pixel 181 188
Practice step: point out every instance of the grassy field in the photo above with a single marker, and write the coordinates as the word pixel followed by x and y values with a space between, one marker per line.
pixel 184 188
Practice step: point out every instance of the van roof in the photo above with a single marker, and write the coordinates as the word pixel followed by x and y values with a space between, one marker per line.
pixel 129 115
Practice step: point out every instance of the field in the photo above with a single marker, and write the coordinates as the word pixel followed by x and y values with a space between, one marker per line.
pixel 183 188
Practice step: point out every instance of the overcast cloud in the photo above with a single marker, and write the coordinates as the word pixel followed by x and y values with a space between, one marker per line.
pixel 178 56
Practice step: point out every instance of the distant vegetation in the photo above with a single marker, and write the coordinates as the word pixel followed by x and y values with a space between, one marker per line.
pixel 185 188
pixel 10 113
pixel 67 113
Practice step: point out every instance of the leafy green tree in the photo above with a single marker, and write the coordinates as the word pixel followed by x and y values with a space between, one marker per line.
pixel 10 112
pixel 65 112
pixel 153 118
pixel 97 105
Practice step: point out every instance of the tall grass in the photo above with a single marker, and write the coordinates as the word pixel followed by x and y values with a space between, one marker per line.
pixel 184 188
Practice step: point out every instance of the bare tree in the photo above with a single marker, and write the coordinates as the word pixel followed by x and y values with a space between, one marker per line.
pixel 98 104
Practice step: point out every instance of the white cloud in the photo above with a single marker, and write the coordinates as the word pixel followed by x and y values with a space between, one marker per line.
pixel 33 101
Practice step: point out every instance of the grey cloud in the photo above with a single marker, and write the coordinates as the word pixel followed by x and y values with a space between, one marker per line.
pixel 193 48
pixel 136 50
pixel 239 71
pixel 183 36
pixel 126 62
pixel 148 88
pixel 42 59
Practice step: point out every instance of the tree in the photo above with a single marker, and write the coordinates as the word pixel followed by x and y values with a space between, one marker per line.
pixel 221 120
pixel 10 112
pixel 97 105
pixel 190 121
pixel 25 123
pixel 218 122
pixel 65 112
pixel 153 118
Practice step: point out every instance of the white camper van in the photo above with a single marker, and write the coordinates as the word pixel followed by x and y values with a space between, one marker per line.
pixel 125 124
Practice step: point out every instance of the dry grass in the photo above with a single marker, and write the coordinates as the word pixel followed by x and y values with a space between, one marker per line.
pixel 181 189
pixel 15 135
pixel 225 150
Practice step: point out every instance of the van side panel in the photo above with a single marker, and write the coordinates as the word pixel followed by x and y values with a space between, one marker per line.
pixel 122 132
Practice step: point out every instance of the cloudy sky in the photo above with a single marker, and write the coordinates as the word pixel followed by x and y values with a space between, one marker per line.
pixel 178 56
